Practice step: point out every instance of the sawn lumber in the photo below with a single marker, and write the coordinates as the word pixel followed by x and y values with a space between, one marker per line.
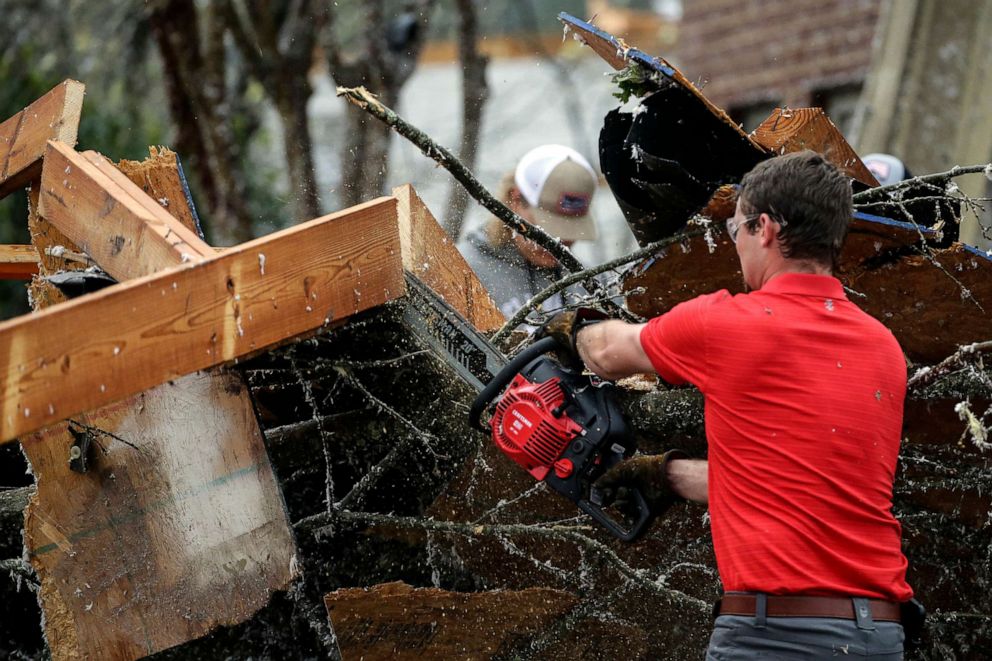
pixel 54 116
pixel 106 346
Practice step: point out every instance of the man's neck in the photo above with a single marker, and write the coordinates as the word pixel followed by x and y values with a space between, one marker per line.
pixel 783 266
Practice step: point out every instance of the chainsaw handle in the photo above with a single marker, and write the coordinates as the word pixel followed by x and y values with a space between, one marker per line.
pixel 637 528
pixel 502 378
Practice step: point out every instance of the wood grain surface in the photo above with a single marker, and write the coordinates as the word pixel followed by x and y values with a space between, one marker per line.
pixel 430 255
pixel 124 339
pixel 54 116
pixel 18 262
pixel 793 129
pixel 110 218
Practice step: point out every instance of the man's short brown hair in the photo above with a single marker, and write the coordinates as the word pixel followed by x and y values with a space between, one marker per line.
pixel 809 196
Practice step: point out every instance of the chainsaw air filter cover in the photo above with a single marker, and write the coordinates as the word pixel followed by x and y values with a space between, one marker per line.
pixel 528 430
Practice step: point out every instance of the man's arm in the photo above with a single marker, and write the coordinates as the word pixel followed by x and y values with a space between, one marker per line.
pixel 688 478
pixel 612 349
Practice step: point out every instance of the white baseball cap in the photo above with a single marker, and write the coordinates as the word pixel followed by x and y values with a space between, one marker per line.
pixel 887 168
pixel 559 184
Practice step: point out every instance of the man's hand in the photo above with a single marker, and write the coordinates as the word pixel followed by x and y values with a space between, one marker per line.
pixel 645 473
pixel 563 327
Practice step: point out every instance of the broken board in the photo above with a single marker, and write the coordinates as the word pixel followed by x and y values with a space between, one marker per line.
pixel 177 525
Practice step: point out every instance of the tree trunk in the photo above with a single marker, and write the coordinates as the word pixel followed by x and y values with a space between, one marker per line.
pixel 475 93
pixel 202 135
pixel 291 102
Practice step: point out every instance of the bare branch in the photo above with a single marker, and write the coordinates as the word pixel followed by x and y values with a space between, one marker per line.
pixel 360 97
pixel 535 303
pixel 967 354
pixel 882 192
pixel 324 523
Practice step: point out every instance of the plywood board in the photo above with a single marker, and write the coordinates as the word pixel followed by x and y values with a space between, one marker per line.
pixel 177 527
pixel 23 137
pixel 63 361
pixel 431 256
pixel 110 218
pixel 396 621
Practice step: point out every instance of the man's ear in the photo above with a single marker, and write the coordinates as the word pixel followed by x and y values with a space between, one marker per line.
pixel 767 230
pixel 516 199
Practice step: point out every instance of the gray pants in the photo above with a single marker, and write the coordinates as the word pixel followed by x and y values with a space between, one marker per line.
pixel 739 637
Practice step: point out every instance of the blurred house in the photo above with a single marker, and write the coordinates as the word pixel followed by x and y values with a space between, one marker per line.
pixel 753 57
pixel 906 77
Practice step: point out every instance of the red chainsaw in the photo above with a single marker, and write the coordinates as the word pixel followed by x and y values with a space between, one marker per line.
pixel 562 426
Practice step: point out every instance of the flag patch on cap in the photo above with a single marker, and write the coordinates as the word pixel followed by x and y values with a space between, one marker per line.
pixel 574 204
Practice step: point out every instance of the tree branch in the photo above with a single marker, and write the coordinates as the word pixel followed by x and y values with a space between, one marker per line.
pixel 323 523
pixel 964 355
pixel 361 98
pixel 882 192
pixel 535 303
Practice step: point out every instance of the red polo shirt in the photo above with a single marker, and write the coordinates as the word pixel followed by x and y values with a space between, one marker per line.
pixel 804 396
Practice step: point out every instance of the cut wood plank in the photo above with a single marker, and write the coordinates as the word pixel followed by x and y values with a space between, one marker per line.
pixel 178 526
pixel 396 621
pixel 432 257
pixel 23 137
pixel 103 212
pixel 18 262
pixel 63 360
pixel 161 177
pixel 793 129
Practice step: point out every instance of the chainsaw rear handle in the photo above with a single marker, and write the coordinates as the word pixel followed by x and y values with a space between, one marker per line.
pixel 503 378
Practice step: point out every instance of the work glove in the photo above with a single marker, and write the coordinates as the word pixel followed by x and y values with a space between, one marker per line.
pixel 647 473
pixel 563 327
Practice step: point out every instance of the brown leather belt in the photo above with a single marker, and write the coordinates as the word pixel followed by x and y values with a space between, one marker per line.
pixel 737 603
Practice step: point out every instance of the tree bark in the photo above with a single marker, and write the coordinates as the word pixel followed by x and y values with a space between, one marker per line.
pixel 383 68
pixel 195 97
pixel 475 93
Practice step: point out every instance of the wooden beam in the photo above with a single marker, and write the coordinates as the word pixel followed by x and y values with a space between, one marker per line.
pixel 55 116
pixel 127 338
pixel 793 129
pixel 18 262
pixel 430 255
pixel 110 218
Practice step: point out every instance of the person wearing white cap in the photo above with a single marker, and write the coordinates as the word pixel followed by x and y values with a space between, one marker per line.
pixel 552 187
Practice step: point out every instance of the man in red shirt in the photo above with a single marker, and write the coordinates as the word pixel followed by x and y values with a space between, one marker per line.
pixel 803 406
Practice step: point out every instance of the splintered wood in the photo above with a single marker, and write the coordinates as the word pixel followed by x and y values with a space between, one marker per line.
pixel 161 177
pixel 54 116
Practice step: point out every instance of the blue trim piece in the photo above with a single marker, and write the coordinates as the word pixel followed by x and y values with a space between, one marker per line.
pixel 978 252
pixel 631 53
pixel 189 198
pixel 882 220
